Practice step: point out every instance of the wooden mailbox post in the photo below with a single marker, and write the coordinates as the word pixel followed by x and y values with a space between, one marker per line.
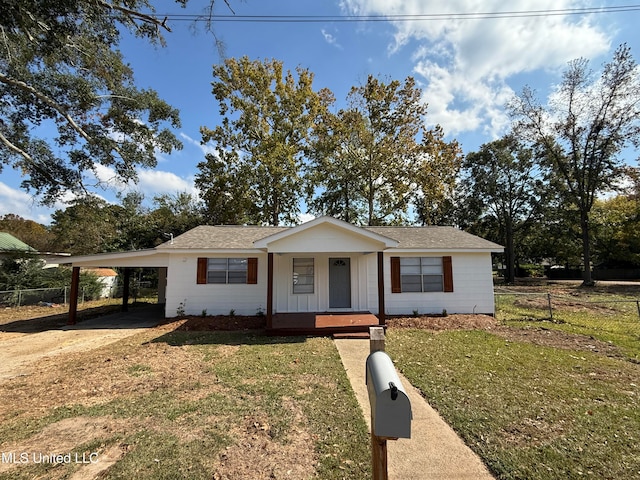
pixel 390 406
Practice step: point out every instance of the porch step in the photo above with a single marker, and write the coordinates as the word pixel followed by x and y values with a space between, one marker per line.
pixel 353 335
pixel 348 324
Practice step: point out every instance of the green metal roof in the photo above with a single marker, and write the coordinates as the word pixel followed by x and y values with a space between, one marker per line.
pixel 9 243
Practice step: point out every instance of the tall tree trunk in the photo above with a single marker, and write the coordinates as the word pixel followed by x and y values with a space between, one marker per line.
pixel 586 249
pixel 347 216
pixel 275 212
pixel 370 204
pixel 510 256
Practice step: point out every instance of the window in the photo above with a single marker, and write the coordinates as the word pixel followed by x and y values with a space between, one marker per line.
pixel 227 270
pixel 303 275
pixel 421 274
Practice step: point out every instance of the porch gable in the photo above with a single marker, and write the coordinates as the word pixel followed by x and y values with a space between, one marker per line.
pixel 326 235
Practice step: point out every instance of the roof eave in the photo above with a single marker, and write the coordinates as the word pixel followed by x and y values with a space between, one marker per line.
pixel 446 250
pixel 185 250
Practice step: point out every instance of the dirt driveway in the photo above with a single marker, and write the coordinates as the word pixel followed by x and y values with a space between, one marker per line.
pixel 19 351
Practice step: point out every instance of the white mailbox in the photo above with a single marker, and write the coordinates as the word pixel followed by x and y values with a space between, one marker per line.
pixel 390 406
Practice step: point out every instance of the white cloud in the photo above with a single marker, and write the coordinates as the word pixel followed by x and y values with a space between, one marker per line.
pixel 107 176
pixel 157 181
pixel 151 182
pixel 330 39
pixel 19 202
pixel 205 149
pixel 465 65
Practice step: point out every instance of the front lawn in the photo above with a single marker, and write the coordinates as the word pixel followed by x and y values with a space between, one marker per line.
pixel 168 404
pixel 533 399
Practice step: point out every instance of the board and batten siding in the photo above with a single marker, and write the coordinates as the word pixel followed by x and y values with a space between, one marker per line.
pixel 471 275
pixel 217 299
pixel 318 301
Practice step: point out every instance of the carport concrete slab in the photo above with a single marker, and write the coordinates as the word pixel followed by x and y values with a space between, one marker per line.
pixel 17 355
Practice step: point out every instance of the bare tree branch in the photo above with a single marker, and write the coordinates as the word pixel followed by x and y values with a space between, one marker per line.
pixel 229 6
pixel 139 15
pixel 34 163
pixel 46 100
pixel 16 149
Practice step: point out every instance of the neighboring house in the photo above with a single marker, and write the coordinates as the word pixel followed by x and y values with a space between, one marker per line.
pixel 324 265
pixel 107 278
pixel 10 246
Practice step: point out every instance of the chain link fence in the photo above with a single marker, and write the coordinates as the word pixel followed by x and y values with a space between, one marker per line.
pixel 53 296
pixel 613 313
pixel 34 296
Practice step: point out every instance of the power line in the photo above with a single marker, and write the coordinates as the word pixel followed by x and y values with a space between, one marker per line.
pixel 396 17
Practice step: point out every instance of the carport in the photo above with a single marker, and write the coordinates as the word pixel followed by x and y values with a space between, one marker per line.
pixel 150 258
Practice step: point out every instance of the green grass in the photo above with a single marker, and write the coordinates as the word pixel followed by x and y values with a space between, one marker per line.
pixel 607 317
pixel 530 412
pixel 187 399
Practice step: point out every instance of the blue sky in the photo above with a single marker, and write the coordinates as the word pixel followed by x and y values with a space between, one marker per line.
pixel 467 68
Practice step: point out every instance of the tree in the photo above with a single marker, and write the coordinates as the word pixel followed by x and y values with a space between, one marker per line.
pixel 555 235
pixel 88 225
pixel 61 71
pixel 30 232
pixel 336 167
pixel 375 159
pixel 503 181
pixel 616 222
pixel 582 131
pixel 131 217
pixel 25 272
pixel 267 120
pixel 225 189
pixel 174 215
pixel 21 271
pixel 91 225
pixel 437 179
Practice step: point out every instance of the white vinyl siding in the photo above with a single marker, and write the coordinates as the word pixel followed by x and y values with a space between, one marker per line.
pixel 471 274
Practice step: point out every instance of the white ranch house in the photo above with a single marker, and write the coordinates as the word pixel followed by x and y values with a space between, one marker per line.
pixel 324 265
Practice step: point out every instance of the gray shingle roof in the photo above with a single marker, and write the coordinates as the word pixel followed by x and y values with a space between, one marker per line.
pixel 434 238
pixel 242 237
pixel 221 236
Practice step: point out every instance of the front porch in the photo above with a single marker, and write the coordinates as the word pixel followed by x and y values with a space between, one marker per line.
pixel 353 324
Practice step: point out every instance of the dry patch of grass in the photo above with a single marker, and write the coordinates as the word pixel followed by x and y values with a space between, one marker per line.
pixel 258 457
pixel 606 313
pixel 446 322
pixel 173 404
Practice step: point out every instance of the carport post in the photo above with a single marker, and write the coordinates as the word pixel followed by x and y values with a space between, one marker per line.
pixel 125 289
pixel 73 296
